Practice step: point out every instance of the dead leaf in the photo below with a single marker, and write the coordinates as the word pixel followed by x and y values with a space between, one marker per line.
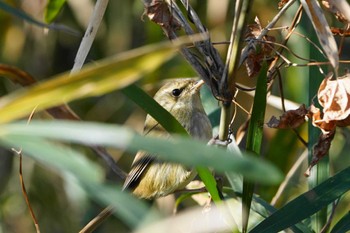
pixel 320 149
pixel 316 115
pixel 343 123
pixel 259 51
pixel 290 119
pixel 158 12
pixel 333 96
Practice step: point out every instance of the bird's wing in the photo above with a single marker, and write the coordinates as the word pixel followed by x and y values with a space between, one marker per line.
pixel 141 162
pixel 143 159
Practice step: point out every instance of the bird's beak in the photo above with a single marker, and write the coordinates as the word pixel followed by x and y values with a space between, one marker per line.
pixel 197 86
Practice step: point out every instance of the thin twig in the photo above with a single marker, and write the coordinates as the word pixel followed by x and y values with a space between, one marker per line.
pixel 342 40
pixel 266 29
pixel 311 42
pixel 301 139
pixel 280 85
pixel 231 66
pixel 24 190
pixel 95 222
pixel 291 29
pixel 289 176
pixel 269 43
pixel 327 225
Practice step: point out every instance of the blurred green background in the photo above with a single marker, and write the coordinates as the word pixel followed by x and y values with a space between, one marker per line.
pixel 60 204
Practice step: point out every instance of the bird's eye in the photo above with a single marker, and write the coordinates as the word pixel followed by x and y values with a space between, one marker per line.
pixel 176 92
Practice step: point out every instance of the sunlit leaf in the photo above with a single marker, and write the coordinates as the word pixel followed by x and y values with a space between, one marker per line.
pixel 93 80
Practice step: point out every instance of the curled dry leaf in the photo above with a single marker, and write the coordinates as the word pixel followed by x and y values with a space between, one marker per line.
pixel 158 12
pixel 343 123
pixel 259 51
pixel 316 115
pixel 289 119
pixel 320 149
pixel 333 96
pixel 323 144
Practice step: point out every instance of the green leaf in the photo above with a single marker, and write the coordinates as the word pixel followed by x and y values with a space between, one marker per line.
pixel 321 171
pixel 180 149
pixel 93 80
pixel 256 123
pixel 343 225
pixel 151 106
pixel 298 228
pixel 210 183
pixel 52 9
pixel 254 139
pixel 306 204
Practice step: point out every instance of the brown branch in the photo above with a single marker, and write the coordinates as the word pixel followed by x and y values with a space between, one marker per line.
pixel 95 222
pixel 24 191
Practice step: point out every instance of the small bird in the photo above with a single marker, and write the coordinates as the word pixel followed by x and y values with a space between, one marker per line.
pixel 150 177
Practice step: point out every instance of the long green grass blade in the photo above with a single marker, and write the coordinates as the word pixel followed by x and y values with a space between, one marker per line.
pixel 210 183
pixel 148 104
pixel 254 140
pixel 184 150
pixel 306 204
pixel 297 228
pixel 320 172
